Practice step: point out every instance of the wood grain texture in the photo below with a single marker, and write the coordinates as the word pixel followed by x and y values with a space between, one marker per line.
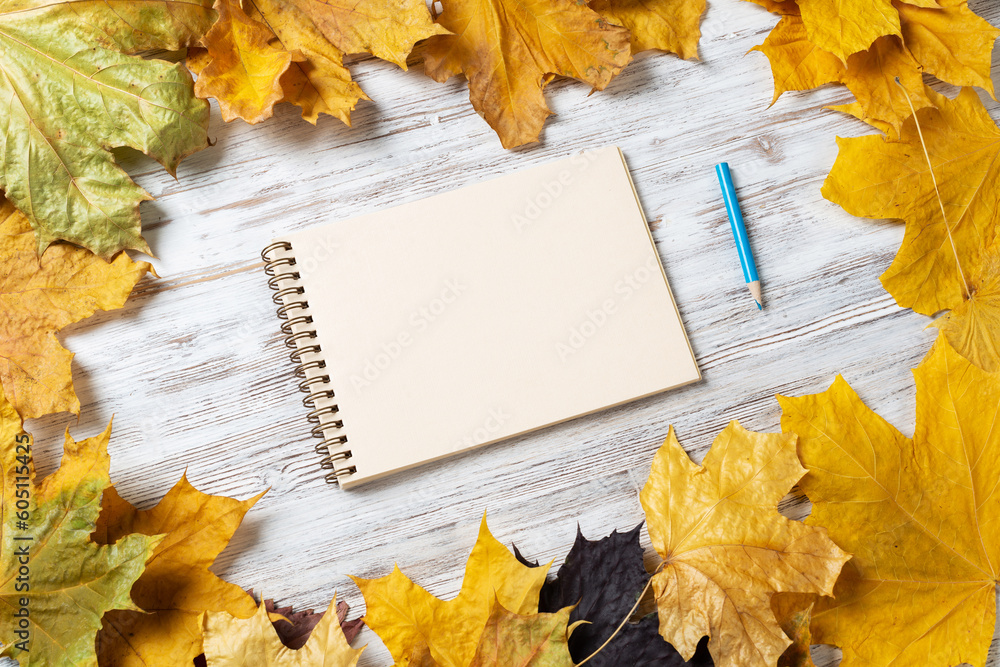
pixel 194 371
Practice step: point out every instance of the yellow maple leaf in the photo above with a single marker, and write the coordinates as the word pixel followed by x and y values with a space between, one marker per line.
pixel 387 29
pixel 416 626
pixel 177 585
pixel 876 178
pixel 253 642
pixel 782 7
pixel 666 25
pixel 794 614
pixel 921 515
pixel 844 27
pixel 871 76
pixel 973 328
pixel 524 640
pixel 243 71
pixel 510 50
pixel 261 52
pixel 316 79
pixel 38 297
pixel 726 551
pixel 797 63
pixel 950 42
pixel 55 582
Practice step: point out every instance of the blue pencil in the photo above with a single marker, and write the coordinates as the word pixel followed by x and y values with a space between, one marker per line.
pixel 739 233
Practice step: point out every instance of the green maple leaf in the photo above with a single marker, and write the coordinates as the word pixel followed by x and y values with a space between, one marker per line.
pixel 71 93
pixel 55 583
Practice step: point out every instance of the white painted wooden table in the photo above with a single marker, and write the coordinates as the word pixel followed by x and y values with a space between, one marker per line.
pixel 194 371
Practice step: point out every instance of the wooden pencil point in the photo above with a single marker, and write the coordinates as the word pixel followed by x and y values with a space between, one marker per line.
pixel 756 293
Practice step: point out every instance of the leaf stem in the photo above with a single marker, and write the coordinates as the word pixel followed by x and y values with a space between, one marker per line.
pixel 624 620
pixel 930 167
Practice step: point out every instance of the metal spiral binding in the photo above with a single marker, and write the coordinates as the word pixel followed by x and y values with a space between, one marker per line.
pixel 300 337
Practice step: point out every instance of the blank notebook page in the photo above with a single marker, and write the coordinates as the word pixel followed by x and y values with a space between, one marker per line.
pixel 492 310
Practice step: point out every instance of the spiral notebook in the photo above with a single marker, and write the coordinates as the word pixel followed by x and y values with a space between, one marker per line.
pixel 472 316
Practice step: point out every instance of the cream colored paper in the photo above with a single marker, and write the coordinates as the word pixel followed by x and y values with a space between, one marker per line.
pixel 489 311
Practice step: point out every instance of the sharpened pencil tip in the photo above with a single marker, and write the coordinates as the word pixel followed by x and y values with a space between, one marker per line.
pixel 755 292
